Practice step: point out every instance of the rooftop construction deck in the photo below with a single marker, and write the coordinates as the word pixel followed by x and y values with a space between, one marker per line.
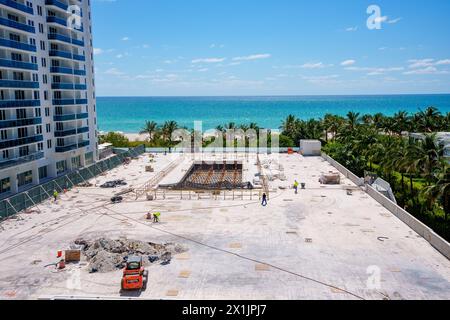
pixel 322 243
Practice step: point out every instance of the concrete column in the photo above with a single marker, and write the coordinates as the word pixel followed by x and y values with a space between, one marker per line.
pixel 14 185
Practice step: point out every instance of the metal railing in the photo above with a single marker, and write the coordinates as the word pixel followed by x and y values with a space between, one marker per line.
pixel 40 193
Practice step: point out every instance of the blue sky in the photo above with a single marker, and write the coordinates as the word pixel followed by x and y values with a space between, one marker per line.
pixel 268 47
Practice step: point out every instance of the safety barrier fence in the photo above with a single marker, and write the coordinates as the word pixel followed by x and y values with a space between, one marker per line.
pixel 244 194
pixel 31 198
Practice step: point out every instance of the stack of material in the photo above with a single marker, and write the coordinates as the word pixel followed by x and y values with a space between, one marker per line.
pixel 330 178
pixel 106 255
pixel 149 169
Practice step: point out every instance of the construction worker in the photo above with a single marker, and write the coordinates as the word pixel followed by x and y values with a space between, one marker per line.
pixel 296 184
pixel 55 195
pixel 156 216
pixel 264 200
pixel 149 216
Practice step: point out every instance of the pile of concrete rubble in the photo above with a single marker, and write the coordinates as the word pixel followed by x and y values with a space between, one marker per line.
pixel 106 255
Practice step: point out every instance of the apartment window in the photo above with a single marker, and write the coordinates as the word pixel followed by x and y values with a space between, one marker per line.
pixel 25 178
pixel 19 94
pixel 16 56
pixel 35 77
pixel 59 126
pixel 43 172
pixel 39 10
pixel 33 59
pixel 89 158
pixel 24 151
pixel 44 78
pixel 76 162
pixel 14 37
pixel 4 134
pixel 18 76
pixel 40 146
pixel 42 45
pixel 45 95
pixel 37 112
pixel 22 132
pixel 61 167
pixel 49 144
pixel 48 128
pixel 5 185
pixel 41 28
pixel 2 115
pixel 38 129
pixel 5 154
pixel 47 112
pixel 44 62
pixel 21 113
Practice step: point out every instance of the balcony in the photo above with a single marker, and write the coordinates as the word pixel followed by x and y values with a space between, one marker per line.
pixel 83 144
pixel 83 130
pixel 68 86
pixel 62 22
pixel 16 25
pixel 61 54
pixel 22 160
pixel 66 39
pixel 58 4
pixel 71 117
pixel 20 141
pixel 17 45
pixel 67 55
pixel 19 84
pixel 18 64
pixel 66 148
pixel 65 133
pixel 19 123
pixel 64 70
pixel 68 102
pixel 19 103
pixel 17 6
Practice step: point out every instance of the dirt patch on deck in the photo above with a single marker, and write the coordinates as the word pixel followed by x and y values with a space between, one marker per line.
pixel 106 255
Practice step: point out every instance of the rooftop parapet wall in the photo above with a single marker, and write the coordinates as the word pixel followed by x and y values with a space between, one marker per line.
pixel 423 230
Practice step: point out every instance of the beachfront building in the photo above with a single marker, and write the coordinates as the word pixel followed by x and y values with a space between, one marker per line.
pixel 47 103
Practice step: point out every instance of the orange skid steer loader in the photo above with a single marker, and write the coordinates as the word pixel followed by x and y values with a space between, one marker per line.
pixel 135 276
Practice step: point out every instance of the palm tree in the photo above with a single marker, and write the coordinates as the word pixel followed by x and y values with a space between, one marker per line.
pixel 401 122
pixel 353 119
pixel 428 121
pixel 150 128
pixel 427 154
pixel 441 189
pixel 168 128
pixel 289 127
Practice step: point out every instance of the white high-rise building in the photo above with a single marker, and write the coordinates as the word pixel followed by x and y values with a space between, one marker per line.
pixel 48 124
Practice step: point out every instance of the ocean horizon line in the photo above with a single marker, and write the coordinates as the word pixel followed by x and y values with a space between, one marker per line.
pixel 279 96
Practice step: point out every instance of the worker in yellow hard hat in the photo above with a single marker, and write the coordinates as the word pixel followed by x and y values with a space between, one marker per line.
pixel 296 184
pixel 156 217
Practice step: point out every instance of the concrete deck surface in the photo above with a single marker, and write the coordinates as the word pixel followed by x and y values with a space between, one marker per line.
pixel 319 244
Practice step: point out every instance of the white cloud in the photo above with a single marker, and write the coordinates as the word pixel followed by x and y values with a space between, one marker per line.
pixel 427 70
pixel 393 21
pixel 98 51
pixel 253 57
pixel 313 65
pixel 443 62
pixel 208 60
pixel 351 29
pixel 114 72
pixel 125 39
pixel 347 63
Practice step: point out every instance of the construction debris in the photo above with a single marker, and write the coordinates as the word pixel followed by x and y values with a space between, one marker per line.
pixel 106 255
pixel 113 184
pixel 330 178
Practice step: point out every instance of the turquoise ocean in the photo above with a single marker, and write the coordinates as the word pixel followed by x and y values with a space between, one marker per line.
pixel 128 114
